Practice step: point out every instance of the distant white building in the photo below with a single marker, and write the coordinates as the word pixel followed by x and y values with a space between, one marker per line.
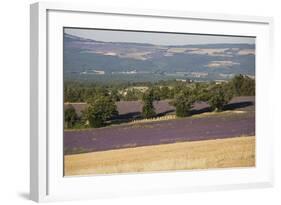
pixel 99 72
pixel 181 80
pixel 96 72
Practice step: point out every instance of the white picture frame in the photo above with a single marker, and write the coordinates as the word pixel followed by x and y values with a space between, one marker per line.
pixel 46 176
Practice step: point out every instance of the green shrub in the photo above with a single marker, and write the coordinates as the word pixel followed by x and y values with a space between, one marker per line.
pixel 148 110
pixel 183 102
pixel 219 96
pixel 99 110
pixel 70 117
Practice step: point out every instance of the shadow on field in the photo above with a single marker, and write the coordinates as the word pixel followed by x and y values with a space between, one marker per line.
pixel 233 106
pixel 124 118
pixel 161 114
pixel 200 111
pixel 230 106
pixel 127 116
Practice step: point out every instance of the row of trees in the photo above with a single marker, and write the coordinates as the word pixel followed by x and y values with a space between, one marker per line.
pixel 82 92
pixel 99 110
pixel 102 103
pixel 217 95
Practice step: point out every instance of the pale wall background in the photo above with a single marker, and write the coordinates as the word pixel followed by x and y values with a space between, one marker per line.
pixel 14 101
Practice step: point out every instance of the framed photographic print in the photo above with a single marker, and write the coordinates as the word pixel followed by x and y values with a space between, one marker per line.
pixel 129 102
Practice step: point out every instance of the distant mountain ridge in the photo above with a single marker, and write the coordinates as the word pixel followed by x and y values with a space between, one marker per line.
pixel 234 45
pixel 86 58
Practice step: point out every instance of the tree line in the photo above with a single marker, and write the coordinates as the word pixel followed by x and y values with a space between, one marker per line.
pixel 102 100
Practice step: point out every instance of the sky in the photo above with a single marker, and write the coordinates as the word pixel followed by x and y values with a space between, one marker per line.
pixel 155 38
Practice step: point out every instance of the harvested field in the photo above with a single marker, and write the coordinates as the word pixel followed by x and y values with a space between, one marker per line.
pixel 220 153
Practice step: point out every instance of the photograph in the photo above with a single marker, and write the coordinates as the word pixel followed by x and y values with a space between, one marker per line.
pixel 152 101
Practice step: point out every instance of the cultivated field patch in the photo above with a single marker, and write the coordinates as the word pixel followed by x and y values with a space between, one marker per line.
pixel 220 153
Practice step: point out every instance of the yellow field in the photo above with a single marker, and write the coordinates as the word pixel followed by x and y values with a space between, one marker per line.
pixel 221 153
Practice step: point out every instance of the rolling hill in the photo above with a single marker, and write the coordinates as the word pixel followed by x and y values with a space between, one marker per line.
pixel 87 59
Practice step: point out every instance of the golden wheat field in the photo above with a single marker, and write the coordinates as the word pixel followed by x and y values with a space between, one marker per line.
pixel 220 153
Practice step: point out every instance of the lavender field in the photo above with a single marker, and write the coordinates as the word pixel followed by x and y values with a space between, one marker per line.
pixel 238 121
pixel 132 109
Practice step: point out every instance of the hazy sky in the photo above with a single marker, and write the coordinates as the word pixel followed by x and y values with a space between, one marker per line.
pixel 155 38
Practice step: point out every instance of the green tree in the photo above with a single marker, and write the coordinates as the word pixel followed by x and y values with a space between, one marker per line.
pixel 100 109
pixel 243 85
pixel 132 94
pixel 219 96
pixel 237 83
pixel 101 91
pixel 165 93
pixel 201 92
pixel 70 117
pixel 148 110
pixel 183 102
pixel 156 93
pixel 115 95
